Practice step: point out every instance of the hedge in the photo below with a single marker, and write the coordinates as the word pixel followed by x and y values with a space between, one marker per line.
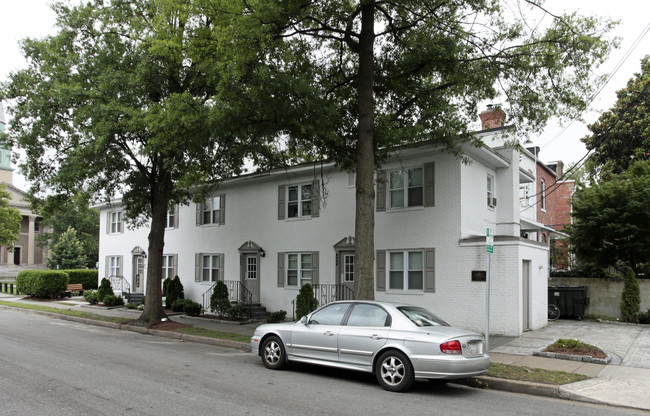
pixel 42 283
pixel 87 277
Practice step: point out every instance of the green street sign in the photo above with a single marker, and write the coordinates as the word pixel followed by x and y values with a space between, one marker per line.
pixel 489 240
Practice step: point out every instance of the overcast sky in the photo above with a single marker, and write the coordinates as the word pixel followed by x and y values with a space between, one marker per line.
pixel 33 18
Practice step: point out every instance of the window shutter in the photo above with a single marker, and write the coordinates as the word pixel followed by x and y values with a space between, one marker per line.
pixel 315 198
pixel 429 270
pixel 197 267
pixel 222 269
pixel 381 270
pixel 121 269
pixel 176 214
pixel 381 191
pixel 314 267
pixel 281 201
pixel 108 222
pixel 429 184
pixel 107 271
pixel 222 210
pixel 199 213
pixel 175 268
pixel 280 269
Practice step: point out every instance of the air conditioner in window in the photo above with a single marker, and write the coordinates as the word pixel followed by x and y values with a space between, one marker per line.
pixel 492 202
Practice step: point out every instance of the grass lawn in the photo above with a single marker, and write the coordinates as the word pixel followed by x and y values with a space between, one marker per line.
pixel 535 375
pixel 68 312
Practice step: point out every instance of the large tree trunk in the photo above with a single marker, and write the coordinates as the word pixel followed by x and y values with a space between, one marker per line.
pixel 153 307
pixel 365 186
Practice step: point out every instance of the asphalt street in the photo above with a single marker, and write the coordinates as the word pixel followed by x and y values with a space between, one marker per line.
pixel 52 366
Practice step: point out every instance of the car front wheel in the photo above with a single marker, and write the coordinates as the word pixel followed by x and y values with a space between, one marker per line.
pixel 394 371
pixel 273 353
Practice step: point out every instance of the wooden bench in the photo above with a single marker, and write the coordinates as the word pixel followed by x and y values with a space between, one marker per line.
pixel 75 287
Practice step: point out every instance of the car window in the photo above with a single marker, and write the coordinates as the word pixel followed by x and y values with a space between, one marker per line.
pixel 330 315
pixel 421 316
pixel 368 315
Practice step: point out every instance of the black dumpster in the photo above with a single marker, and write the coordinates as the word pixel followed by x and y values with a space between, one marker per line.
pixel 570 299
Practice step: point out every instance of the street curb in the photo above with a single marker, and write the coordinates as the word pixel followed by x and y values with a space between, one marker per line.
pixel 514 386
pixel 142 330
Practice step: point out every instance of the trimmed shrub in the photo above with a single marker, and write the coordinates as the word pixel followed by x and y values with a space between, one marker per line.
pixel 644 317
pixel 220 300
pixel 305 302
pixel 104 290
pixel 631 297
pixel 192 308
pixel 165 287
pixel 42 283
pixel 275 317
pixel 174 291
pixel 88 278
pixel 237 312
pixel 112 300
pixel 179 305
pixel 91 296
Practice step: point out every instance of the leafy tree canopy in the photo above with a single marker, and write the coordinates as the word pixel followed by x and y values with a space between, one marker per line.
pixel 10 219
pixel 128 99
pixel 621 135
pixel 611 221
pixel 61 212
pixel 353 79
pixel 67 252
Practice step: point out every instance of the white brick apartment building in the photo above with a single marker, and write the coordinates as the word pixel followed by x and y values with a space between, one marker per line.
pixel 276 230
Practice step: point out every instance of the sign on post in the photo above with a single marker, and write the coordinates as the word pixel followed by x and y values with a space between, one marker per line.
pixel 489 240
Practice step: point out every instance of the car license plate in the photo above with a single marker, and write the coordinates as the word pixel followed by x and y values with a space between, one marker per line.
pixel 475 347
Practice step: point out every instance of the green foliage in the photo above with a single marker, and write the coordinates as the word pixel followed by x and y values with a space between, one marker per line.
pixel 220 300
pixel 631 297
pixel 63 211
pixel 42 283
pixel 611 221
pixel 644 317
pixel 192 308
pixel 91 296
pixel 275 317
pixel 87 277
pixel 305 302
pixel 112 300
pixel 10 219
pixel 622 134
pixel 179 305
pixel 104 290
pixel 173 291
pixel 67 252
pixel 237 312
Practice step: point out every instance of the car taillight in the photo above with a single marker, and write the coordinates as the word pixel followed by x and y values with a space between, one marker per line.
pixel 451 347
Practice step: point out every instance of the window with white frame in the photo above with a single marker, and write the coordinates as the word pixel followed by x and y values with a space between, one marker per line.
pixel 348 268
pixel 406 270
pixel 211 267
pixel 299 269
pixel 406 188
pixel 169 266
pixel 211 210
pixel 299 200
pixel 172 217
pixel 491 200
pixel 115 221
pixel 542 194
pixel 114 266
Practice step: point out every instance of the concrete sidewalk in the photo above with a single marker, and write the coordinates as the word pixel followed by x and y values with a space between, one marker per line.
pixel 624 382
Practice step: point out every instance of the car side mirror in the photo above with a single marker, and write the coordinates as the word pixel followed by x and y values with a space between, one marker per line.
pixel 303 320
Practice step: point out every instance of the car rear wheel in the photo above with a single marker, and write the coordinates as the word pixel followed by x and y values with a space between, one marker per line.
pixel 394 371
pixel 273 353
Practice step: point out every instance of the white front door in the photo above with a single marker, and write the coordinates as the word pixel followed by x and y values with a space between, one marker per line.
pixel 251 275
pixel 138 274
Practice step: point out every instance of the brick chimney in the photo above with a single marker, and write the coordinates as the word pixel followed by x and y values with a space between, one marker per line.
pixel 492 118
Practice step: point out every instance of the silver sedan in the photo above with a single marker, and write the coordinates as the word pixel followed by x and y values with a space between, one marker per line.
pixel 397 342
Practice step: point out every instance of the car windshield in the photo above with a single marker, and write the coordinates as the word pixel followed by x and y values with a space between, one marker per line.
pixel 421 316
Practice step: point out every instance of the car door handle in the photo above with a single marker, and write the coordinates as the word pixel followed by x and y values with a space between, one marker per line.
pixel 329 333
pixel 375 336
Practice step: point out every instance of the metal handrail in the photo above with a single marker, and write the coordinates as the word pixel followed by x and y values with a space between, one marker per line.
pixel 327 293
pixel 237 293
pixel 119 283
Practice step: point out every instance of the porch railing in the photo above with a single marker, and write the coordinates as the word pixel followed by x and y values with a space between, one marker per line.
pixel 120 284
pixel 327 293
pixel 237 293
